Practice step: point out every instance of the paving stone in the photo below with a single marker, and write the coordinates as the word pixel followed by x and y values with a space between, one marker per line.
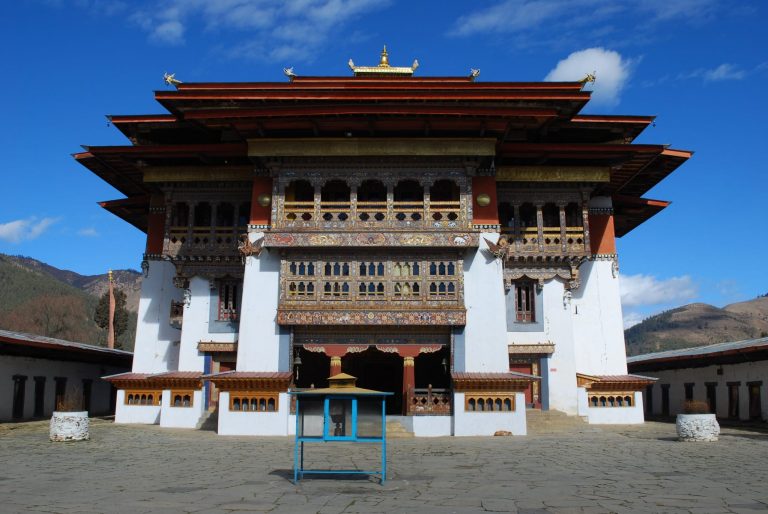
pixel 129 468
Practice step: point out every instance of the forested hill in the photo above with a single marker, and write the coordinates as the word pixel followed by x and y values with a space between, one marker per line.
pixel 40 299
pixel 699 324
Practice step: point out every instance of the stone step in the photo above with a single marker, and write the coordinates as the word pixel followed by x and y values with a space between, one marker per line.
pixel 209 421
pixel 553 422
pixel 395 430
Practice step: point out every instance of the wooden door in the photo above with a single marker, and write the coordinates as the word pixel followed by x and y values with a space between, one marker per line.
pixel 527 368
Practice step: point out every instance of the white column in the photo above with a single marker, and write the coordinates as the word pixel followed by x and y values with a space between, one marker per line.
pixel 262 345
pixel 157 343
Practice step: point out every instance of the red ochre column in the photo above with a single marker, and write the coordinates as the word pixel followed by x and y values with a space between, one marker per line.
pixel 409 380
pixel 489 214
pixel 602 237
pixel 335 365
pixel 155 226
pixel 262 188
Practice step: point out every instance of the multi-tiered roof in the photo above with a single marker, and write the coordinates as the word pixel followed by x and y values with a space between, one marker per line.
pixel 209 126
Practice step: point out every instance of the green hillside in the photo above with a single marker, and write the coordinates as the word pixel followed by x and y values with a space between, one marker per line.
pixel 34 301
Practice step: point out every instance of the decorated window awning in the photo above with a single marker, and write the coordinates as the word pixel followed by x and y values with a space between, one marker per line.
pixel 189 379
pixel 532 349
pixel 216 346
pixel 509 381
pixel 613 382
pixel 251 380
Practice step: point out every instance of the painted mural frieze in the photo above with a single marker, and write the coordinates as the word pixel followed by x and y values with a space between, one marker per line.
pixel 370 317
pixel 371 239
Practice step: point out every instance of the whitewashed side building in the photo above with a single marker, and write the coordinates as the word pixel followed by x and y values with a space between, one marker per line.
pixel 38 373
pixel 447 240
pixel 731 377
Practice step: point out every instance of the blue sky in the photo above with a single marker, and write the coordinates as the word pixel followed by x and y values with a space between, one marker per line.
pixel 700 65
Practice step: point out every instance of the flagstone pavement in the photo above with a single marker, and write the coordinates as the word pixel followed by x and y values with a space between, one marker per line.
pixel 595 470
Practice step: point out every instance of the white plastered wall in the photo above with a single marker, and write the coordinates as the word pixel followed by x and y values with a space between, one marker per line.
pixel 181 417
pixel 743 372
pixel 196 326
pixel 481 346
pixel 598 329
pixel 140 414
pixel 255 423
pixel 557 328
pixel 488 423
pixel 612 415
pixel 74 372
pixel 261 345
pixel 157 349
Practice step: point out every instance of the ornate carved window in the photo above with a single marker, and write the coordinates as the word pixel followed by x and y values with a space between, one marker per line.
pixel 525 301
pixel 145 398
pixel 229 300
pixel 182 398
pixel 241 401
pixel 371 280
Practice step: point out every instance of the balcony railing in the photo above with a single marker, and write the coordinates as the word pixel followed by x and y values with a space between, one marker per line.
pixel 429 402
pixel 345 214
pixel 545 240
pixel 182 241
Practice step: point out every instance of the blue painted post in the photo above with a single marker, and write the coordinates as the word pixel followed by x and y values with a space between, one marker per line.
pixel 383 440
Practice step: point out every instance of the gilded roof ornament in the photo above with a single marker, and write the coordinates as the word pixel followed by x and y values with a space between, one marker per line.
pixel 383 68
pixel 170 79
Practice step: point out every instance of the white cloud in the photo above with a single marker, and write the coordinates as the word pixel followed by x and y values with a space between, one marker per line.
pixel 725 71
pixel 25 229
pixel 643 290
pixel 569 17
pixel 270 30
pixel 611 70
pixel 632 318
pixel 88 232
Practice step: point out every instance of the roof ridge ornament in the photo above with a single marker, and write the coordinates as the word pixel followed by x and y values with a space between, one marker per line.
pixel 383 69
pixel 171 80
pixel 589 79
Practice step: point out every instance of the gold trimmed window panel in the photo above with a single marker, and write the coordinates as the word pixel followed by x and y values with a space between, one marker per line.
pixel 254 401
pixel 143 397
pixel 489 402
pixel 372 281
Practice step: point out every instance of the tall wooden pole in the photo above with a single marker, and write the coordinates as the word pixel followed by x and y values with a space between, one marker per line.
pixel 111 332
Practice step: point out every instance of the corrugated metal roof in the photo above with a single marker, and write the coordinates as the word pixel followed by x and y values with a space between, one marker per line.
pixel 701 351
pixel 20 338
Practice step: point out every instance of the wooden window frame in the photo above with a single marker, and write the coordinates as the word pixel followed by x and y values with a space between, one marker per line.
pixel 525 308
pixel 157 397
pixel 182 393
pixel 230 292
pixel 613 399
pixel 469 398
pixel 259 396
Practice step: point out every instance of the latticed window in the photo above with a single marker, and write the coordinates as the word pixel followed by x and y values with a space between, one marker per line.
pixel 525 300
pixel 229 297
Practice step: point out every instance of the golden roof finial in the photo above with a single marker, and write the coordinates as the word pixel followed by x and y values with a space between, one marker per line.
pixel 383 69
pixel 384 58
pixel 109 275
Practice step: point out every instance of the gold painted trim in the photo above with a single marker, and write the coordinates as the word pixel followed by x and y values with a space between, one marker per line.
pixel 371 147
pixel 553 174
pixel 197 174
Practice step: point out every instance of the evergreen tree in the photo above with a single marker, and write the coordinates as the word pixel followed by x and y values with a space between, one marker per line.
pixel 101 315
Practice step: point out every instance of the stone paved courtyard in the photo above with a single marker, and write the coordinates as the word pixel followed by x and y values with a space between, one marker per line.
pixel 613 469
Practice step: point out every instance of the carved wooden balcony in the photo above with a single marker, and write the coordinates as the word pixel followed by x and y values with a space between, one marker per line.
pixel 367 215
pixel 429 402
pixel 202 241
pixel 545 242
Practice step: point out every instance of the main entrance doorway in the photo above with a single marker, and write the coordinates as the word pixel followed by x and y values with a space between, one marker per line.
pixel 407 363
